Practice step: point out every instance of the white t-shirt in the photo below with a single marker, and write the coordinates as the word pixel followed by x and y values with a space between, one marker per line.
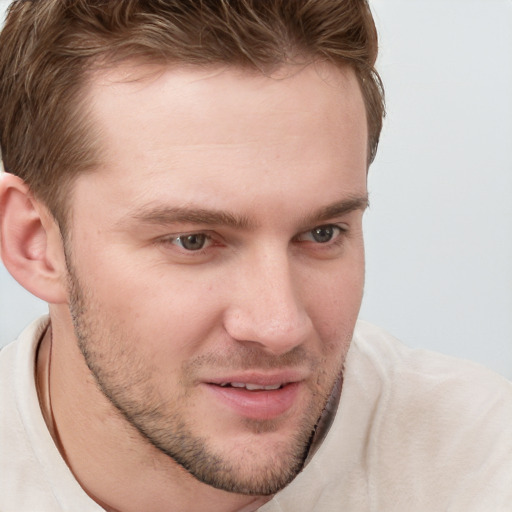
pixel 414 432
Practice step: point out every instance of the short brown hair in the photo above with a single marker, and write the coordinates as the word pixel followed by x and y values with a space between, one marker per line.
pixel 47 48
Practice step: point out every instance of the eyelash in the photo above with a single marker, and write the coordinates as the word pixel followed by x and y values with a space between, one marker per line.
pixel 175 240
pixel 336 240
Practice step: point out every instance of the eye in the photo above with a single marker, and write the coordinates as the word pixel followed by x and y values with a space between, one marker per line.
pixel 192 242
pixel 320 234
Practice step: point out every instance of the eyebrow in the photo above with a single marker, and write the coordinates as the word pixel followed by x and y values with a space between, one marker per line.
pixel 338 209
pixel 165 215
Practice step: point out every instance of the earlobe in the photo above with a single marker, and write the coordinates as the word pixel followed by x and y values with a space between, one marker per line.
pixel 30 243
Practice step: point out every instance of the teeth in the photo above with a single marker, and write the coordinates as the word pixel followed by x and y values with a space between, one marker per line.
pixel 253 387
pixel 250 387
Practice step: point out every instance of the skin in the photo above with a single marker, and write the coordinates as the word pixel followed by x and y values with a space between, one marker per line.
pixel 220 240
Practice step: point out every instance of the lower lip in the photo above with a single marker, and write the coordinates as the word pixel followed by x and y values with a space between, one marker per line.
pixel 257 405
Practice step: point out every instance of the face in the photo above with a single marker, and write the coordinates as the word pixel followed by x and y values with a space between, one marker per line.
pixel 216 261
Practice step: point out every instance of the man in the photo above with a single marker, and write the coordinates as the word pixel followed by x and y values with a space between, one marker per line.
pixel 185 187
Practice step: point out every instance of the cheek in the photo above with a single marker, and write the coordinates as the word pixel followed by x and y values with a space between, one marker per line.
pixel 333 300
pixel 161 311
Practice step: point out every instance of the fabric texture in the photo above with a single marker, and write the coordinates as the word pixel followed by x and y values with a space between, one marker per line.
pixel 413 431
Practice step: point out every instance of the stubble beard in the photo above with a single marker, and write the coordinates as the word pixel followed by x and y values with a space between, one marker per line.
pixel 129 390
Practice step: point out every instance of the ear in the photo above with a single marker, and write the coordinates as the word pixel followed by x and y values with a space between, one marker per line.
pixel 30 242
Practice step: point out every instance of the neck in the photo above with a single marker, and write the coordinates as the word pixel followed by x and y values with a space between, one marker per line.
pixel 114 465
pixel 43 368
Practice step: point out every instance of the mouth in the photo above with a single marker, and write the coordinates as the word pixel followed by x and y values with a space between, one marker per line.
pixel 251 387
pixel 257 398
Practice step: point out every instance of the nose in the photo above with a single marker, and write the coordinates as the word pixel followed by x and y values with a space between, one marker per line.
pixel 266 308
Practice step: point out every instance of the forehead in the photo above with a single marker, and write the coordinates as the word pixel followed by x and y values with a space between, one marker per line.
pixel 234 97
pixel 224 131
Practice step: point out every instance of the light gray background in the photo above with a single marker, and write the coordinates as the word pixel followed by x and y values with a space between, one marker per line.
pixel 439 230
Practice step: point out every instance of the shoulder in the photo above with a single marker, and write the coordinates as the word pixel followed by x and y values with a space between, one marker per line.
pixel 30 464
pixel 424 380
pixel 22 478
pixel 414 430
pixel 439 422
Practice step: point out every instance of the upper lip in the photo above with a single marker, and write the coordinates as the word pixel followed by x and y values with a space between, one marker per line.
pixel 260 378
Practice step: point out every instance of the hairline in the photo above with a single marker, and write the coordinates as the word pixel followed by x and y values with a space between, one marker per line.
pixel 150 69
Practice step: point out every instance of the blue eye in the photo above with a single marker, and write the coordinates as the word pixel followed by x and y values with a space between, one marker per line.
pixel 320 234
pixel 192 242
pixel 323 234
